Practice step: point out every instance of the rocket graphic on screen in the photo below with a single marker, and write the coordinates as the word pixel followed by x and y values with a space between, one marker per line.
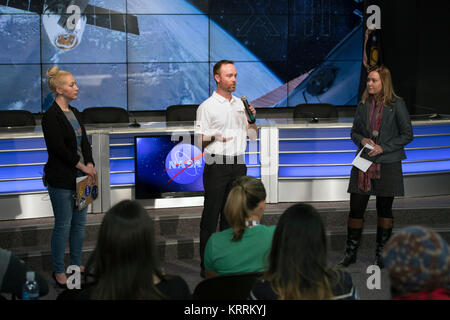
pixel 64 20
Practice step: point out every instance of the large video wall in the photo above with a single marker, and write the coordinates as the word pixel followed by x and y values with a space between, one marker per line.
pixel 149 54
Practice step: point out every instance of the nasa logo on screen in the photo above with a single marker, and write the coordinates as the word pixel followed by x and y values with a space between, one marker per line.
pixel 94 192
pixel 184 163
pixel 87 190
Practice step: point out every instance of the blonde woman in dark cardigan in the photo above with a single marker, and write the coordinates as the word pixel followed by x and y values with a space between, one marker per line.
pixel 69 156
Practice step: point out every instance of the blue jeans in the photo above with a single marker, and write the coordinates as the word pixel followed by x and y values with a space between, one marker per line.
pixel 67 217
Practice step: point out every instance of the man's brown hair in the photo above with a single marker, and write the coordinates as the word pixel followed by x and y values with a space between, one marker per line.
pixel 219 64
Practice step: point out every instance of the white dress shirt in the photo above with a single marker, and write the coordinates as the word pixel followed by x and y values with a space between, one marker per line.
pixel 217 115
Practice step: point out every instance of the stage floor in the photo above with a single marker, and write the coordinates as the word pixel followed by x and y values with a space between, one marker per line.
pixel 432 202
pixel 435 213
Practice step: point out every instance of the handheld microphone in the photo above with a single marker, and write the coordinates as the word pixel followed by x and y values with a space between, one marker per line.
pixel 314 119
pixel 247 108
pixel 134 124
pixel 432 116
pixel 375 135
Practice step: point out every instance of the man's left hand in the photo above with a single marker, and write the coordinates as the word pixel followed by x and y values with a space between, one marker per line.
pixel 252 109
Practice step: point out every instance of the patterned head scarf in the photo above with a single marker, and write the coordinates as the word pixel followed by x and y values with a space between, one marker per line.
pixel 417 259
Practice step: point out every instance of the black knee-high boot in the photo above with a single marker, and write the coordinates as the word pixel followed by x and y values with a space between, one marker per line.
pixel 354 232
pixel 384 231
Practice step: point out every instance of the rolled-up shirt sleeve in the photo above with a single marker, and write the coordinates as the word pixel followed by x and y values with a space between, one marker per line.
pixel 200 121
pixel 203 123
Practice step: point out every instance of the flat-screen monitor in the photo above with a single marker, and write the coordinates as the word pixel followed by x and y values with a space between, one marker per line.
pixel 166 166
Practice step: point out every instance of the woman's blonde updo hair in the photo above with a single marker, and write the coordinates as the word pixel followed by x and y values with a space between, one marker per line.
pixel 55 78
pixel 246 194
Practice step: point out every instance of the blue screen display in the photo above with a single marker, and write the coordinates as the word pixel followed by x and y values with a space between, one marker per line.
pixel 145 55
pixel 164 166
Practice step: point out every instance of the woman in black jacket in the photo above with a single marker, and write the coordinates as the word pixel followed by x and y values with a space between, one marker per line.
pixel 381 121
pixel 69 156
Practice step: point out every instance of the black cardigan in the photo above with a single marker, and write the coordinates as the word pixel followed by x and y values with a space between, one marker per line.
pixel 60 170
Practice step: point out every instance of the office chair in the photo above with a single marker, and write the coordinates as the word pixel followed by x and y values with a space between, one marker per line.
pixel 227 287
pixel 105 115
pixel 16 118
pixel 181 112
pixel 315 111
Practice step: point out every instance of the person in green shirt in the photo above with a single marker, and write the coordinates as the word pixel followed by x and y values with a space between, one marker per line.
pixel 246 245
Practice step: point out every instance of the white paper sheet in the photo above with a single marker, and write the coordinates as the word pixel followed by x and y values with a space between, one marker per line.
pixel 361 163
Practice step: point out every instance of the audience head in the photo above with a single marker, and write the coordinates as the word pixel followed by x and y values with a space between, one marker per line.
pixel 417 259
pixel 62 83
pixel 125 262
pixel 247 199
pixel 298 258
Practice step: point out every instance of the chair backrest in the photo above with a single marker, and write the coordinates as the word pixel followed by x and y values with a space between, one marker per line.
pixel 16 118
pixel 181 112
pixel 315 110
pixel 105 115
pixel 71 294
pixel 227 287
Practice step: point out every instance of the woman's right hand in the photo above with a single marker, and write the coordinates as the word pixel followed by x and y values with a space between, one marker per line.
pixel 88 169
pixel 365 141
pixel 92 173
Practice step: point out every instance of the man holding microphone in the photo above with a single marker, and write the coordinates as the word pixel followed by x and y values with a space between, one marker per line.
pixel 222 126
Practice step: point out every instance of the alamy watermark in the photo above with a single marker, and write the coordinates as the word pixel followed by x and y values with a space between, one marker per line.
pixel 186 140
pixel 374 20
pixel 74 18
pixel 374 280
pixel 74 280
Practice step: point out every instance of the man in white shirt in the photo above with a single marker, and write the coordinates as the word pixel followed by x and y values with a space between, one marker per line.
pixel 222 127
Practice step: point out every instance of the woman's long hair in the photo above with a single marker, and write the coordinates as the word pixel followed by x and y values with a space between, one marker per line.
pixel 124 261
pixel 387 94
pixel 245 195
pixel 298 258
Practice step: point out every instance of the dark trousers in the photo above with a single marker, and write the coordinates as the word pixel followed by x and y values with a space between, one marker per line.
pixel 358 205
pixel 217 182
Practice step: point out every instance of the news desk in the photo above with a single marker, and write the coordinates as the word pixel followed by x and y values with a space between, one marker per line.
pixel 296 160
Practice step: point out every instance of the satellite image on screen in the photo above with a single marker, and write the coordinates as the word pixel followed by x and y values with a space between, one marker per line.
pixel 146 55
